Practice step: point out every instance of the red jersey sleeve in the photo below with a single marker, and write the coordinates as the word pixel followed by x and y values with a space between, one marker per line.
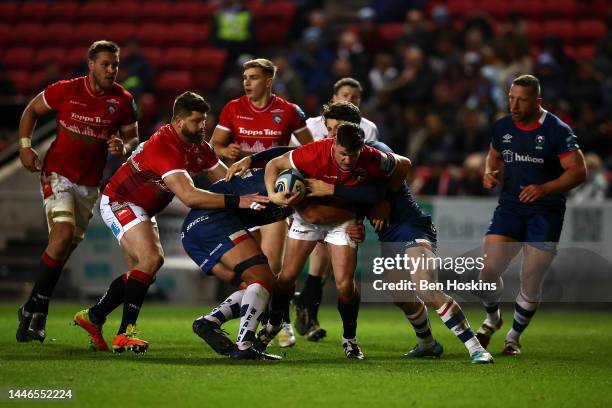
pixel 54 94
pixel 379 164
pixel 299 119
pixel 305 158
pixel 225 118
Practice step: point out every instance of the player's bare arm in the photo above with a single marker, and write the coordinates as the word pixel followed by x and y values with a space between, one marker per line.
pixel 182 186
pixel 494 167
pixel 221 141
pixel 574 174
pixel 304 136
pixel 35 109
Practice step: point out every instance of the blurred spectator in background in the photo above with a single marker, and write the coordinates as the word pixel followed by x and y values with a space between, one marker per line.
pixel 472 132
pixel 416 30
pixel 136 71
pixel 416 80
pixel 394 10
pixel 368 31
pixel 595 187
pixel 312 61
pixel 352 50
pixel 287 83
pixel 434 143
pixel 383 73
pixel 470 181
pixel 232 28
pixel 436 180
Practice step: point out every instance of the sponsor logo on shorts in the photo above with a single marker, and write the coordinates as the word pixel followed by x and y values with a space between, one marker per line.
pixel 115 229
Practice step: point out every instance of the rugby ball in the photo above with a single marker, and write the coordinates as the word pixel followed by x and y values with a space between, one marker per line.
pixel 290 181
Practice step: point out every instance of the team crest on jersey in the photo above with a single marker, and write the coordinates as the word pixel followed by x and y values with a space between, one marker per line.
pixel 507 156
pixel 539 142
pixel 507 138
pixel 277 118
pixel 111 108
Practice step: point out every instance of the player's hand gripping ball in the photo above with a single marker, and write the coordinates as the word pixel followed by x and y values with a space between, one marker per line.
pixel 290 181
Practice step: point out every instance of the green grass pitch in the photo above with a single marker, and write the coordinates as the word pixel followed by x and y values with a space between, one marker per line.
pixel 566 362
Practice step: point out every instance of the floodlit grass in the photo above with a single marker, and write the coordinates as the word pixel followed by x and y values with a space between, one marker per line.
pixel 566 363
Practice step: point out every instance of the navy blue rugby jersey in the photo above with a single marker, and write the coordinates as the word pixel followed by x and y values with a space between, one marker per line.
pixel 532 155
pixel 252 182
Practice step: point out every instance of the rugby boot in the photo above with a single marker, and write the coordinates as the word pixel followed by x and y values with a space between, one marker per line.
pixel 129 341
pixel 434 351
pixel 94 331
pixel 214 336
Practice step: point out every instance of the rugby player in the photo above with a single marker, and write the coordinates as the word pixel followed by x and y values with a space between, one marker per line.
pixel 254 122
pixel 345 161
pixel 219 242
pixel 536 157
pixel 319 266
pixel 95 116
pixel 159 169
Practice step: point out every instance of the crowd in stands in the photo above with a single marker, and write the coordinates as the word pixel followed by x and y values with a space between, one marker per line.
pixel 434 81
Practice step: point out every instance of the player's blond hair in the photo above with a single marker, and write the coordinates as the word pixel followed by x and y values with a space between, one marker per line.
pixel 266 66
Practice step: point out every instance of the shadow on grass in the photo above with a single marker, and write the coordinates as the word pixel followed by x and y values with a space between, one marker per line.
pixel 66 354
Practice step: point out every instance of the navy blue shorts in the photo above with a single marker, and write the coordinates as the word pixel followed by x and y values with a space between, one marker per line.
pixel 539 227
pixel 207 238
pixel 412 233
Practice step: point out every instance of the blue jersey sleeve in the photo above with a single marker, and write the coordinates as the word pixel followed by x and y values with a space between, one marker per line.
pixel 565 140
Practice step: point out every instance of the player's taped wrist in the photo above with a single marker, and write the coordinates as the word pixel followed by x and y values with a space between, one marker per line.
pixel 25 142
pixel 231 200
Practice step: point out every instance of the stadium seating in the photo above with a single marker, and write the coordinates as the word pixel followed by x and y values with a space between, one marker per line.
pixel 35 31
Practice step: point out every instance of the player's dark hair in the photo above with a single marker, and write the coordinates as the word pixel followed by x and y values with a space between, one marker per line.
pixel 528 81
pixel 353 83
pixel 343 110
pixel 188 102
pixel 102 46
pixel 350 136
pixel 266 66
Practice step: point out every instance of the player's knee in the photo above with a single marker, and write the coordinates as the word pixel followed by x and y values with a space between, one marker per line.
pixel 152 261
pixel 346 288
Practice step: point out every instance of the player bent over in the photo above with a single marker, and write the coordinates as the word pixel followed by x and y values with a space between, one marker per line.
pixel 538 158
pixel 217 241
pixel 158 169
pixel 340 161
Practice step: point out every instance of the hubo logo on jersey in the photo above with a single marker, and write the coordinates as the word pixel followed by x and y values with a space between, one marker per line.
pixel 507 138
pixel 507 156
pixel 539 142
pixel 527 158
pixel 277 118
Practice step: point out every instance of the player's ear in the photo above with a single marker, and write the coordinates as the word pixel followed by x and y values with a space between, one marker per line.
pixel 90 63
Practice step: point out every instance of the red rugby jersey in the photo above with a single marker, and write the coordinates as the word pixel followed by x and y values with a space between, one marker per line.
pixel 257 129
pixel 140 179
pixel 85 121
pixel 315 160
